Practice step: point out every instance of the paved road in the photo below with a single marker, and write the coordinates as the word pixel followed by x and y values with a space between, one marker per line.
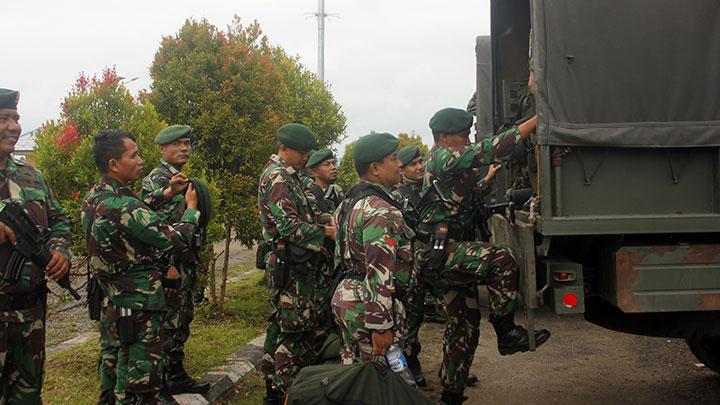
pixel 580 364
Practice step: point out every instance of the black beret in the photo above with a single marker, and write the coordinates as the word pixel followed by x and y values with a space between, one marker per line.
pixel 374 147
pixel 319 156
pixel 9 99
pixel 296 136
pixel 172 134
pixel 451 121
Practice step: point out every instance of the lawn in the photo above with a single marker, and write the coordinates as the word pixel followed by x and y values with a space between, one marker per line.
pixel 70 376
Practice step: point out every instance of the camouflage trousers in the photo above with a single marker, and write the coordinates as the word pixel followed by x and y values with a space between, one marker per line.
pixel 414 316
pixel 22 359
pixel 467 264
pixel 295 333
pixel 176 325
pixel 130 370
pixel 348 309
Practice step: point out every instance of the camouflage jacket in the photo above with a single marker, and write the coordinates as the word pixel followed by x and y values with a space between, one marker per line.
pixel 322 204
pixel 153 184
pixel 453 168
pixel 411 190
pixel 25 184
pixel 125 241
pixel 284 209
pixel 376 244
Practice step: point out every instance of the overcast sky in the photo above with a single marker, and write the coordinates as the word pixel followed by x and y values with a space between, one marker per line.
pixel 390 63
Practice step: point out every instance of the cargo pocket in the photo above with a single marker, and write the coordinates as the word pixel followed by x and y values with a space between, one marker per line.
pixel 295 309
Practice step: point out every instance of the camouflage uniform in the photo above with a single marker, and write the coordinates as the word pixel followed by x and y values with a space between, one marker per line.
pixel 176 328
pixel 377 251
pixel 125 239
pixel 467 262
pixel 22 304
pixel 323 209
pixel 294 335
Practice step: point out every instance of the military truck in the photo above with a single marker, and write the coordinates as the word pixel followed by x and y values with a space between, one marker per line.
pixel 615 209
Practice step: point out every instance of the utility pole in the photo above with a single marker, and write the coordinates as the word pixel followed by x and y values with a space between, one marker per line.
pixel 321 39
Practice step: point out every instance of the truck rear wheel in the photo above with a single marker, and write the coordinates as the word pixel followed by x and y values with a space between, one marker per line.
pixel 707 350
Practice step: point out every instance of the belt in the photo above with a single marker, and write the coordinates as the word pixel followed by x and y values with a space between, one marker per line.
pixel 355 276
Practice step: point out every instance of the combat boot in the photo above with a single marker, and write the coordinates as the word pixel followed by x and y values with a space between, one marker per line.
pixel 472 380
pixel 452 398
pixel 416 370
pixel 166 398
pixel 179 382
pixel 272 396
pixel 514 338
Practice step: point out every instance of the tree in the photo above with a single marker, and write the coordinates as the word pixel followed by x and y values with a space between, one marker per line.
pixel 347 176
pixel 235 89
pixel 64 146
pixel 407 140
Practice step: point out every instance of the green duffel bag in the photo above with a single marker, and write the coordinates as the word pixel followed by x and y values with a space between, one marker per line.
pixel 356 384
pixel 330 352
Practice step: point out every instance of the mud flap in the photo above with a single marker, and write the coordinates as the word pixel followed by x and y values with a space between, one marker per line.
pixel 519 236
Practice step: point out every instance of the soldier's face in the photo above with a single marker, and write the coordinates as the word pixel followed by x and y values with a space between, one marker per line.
pixel 415 170
pixel 388 171
pixel 176 153
pixel 9 130
pixel 456 140
pixel 326 171
pixel 294 158
pixel 129 166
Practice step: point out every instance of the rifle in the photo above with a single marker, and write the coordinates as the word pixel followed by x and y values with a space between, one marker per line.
pixel 30 245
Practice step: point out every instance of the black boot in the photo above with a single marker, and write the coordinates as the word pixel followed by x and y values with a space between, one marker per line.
pixel 452 398
pixel 272 396
pixel 166 398
pixel 179 382
pixel 471 381
pixel 416 370
pixel 514 338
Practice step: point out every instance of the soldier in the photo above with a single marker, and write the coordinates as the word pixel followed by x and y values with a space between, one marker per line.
pixel 324 197
pixel 22 304
pixel 459 263
pixel 125 239
pixel 322 167
pixel 293 336
pixel 163 190
pixel 375 247
pixel 413 171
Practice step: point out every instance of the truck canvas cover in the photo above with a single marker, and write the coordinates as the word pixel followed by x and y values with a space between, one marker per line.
pixel 640 73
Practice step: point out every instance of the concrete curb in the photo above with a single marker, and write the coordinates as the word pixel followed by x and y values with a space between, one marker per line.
pixel 69 344
pixel 225 377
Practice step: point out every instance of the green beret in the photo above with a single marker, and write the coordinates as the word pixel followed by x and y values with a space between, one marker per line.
pixel 451 121
pixel 319 156
pixel 9 99
pixel 296 136
pixel 172 134
pixel 374 147
pixel 408 154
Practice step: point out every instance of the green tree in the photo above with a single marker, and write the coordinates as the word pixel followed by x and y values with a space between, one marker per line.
pixel 236 89
pixel 407 140
pixel 347 176
pixel 64 146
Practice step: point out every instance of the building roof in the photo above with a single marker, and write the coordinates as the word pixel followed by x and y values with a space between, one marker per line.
pixel 26 143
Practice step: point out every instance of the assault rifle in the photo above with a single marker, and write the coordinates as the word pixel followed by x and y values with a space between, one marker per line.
pixel 30 245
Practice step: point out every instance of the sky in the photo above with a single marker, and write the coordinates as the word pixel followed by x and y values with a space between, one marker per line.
pixel 390 64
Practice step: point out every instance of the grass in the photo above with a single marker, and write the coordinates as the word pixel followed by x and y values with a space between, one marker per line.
pixel 71 377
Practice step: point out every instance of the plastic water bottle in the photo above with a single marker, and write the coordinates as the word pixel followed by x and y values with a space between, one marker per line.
pixel 398 364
